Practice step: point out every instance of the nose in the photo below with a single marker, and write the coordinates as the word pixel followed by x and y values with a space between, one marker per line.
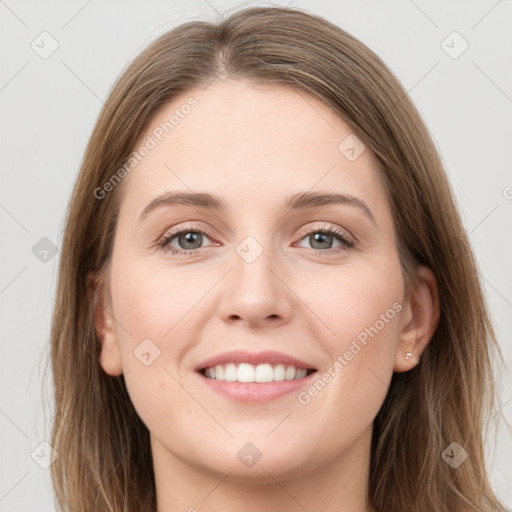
pixel 255 293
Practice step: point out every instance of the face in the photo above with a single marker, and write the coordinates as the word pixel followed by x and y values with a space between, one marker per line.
pixel 315 280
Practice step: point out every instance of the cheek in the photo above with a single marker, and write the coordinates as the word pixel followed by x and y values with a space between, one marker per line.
pixel 154 310
pixel 159 312
pixel 363 311
pixel 155 302
pixel 360 310
pixel 359 303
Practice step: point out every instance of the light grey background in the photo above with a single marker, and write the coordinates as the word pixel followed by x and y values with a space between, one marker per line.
pixel 49 106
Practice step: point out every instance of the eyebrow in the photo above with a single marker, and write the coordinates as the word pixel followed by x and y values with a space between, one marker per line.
pixel 298 201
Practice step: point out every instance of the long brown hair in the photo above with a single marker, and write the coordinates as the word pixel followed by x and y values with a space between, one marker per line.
pixel 104 452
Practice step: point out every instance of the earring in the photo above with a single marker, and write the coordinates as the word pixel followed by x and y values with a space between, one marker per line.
pixel 408 355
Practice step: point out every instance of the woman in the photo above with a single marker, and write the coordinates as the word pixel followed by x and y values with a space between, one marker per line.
pixel 323 343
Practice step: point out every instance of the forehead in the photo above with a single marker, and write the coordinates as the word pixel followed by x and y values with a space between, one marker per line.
pixel 251 144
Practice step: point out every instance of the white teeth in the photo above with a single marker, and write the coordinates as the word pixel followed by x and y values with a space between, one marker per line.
pixel 246 372
pixel 279 372
pixel 290 373
pixel 301 372
pixel 263 373
pixel 230 373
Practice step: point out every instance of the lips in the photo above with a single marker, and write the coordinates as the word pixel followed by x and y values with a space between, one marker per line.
pixel 241 356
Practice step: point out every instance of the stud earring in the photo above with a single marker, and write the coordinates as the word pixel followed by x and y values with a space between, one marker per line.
pixel 408 355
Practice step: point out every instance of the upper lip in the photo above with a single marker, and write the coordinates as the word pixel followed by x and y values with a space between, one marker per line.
pixel 242 356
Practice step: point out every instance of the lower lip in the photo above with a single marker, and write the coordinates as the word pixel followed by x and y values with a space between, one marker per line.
pixel 255 391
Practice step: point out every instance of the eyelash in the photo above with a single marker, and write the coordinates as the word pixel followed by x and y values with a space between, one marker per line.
pixel 339 235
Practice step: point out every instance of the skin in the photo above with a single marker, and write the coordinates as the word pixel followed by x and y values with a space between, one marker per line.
pixel 255 146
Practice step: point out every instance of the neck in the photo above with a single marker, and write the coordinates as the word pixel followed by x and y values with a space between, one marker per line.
pixel 339 484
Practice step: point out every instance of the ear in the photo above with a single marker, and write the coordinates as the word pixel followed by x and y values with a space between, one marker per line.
pixel 104 324
pixel 420 318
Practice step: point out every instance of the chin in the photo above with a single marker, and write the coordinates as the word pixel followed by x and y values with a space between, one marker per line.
pixel 258 461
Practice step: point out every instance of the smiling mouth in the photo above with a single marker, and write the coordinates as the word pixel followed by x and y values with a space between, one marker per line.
pixel 261 373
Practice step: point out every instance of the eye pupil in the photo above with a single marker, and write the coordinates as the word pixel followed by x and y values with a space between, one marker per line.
pixel 190 237
pixel 320 238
